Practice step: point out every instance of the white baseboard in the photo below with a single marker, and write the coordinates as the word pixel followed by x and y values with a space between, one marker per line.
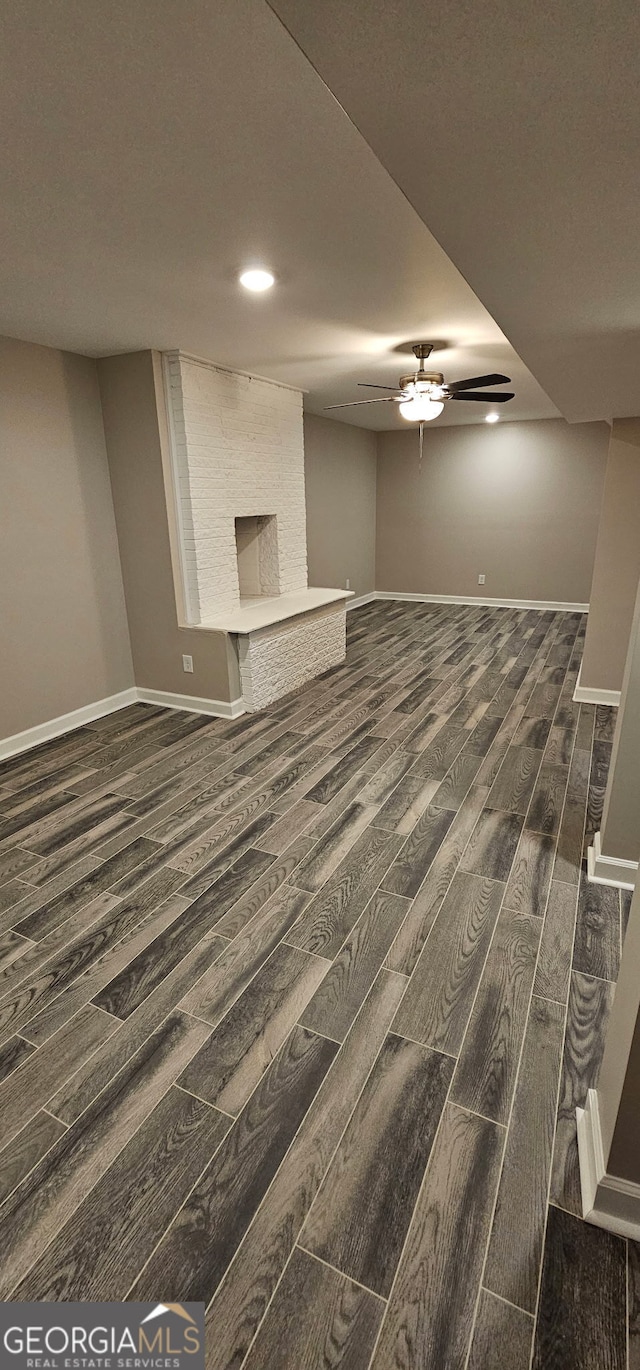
pixel 360 600
pixel 481 602
pixel 610 870
pixel 218 708
pixel 588 694
pixel 607 1200
pixel 66 723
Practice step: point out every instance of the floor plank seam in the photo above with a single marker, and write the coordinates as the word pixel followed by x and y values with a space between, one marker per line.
pixel 464 1108
pixel 61 1121
pixel 317 1032
pixel 308 952
pixel 424 1045
pixel 508 1302
pixel 336 1271
pixel 214 1107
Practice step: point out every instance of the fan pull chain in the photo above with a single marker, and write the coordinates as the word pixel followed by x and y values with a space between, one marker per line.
pixel 421 437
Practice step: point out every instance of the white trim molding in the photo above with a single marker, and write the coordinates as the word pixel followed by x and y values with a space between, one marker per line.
pixel 360 600
pixel 610 870
pixel 558 605
pixel 65 723
pixel 589 694
pixel 193 704
pixel 607 1200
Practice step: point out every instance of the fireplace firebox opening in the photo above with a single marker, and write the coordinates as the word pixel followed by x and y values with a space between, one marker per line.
pixel 257 555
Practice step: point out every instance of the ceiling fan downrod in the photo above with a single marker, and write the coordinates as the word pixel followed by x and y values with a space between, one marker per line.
pixel 421 352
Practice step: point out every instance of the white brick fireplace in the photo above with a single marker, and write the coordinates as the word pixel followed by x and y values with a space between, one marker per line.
pixel 238 471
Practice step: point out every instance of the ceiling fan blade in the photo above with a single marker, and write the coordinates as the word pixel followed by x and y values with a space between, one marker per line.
pixel 368 386
pixel 471 382
pixel 485 396
pixel 386 399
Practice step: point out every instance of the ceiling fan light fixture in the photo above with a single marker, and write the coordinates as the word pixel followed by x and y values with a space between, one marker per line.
pixel 421 409
pixel 491 418
pixel 422 395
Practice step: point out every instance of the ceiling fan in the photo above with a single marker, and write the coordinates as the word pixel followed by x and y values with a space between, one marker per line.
pixel 423 395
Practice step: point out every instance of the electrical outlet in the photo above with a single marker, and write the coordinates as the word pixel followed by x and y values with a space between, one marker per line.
pixel 348 585
pixel 187 663
pixel 481 580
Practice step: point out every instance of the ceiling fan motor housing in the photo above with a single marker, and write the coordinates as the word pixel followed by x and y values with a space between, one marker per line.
pixel 427 377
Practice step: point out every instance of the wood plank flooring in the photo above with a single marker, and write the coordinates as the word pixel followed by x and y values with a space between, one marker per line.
pixel 316 992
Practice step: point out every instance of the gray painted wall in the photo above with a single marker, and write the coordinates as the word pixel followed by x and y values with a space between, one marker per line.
pixel 340 480
pixel 64 630
pixel 518 502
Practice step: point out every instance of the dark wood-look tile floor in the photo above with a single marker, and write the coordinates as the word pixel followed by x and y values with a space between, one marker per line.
pixel 317 992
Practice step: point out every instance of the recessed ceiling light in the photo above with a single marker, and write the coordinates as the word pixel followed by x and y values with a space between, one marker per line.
pixel 491 418
pixel 257 279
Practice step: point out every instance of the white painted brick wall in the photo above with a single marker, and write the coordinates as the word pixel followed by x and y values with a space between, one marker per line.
pixel 239 451
pixel 281 658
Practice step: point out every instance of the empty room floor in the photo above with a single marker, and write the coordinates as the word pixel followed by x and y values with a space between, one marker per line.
pixel 296 1010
